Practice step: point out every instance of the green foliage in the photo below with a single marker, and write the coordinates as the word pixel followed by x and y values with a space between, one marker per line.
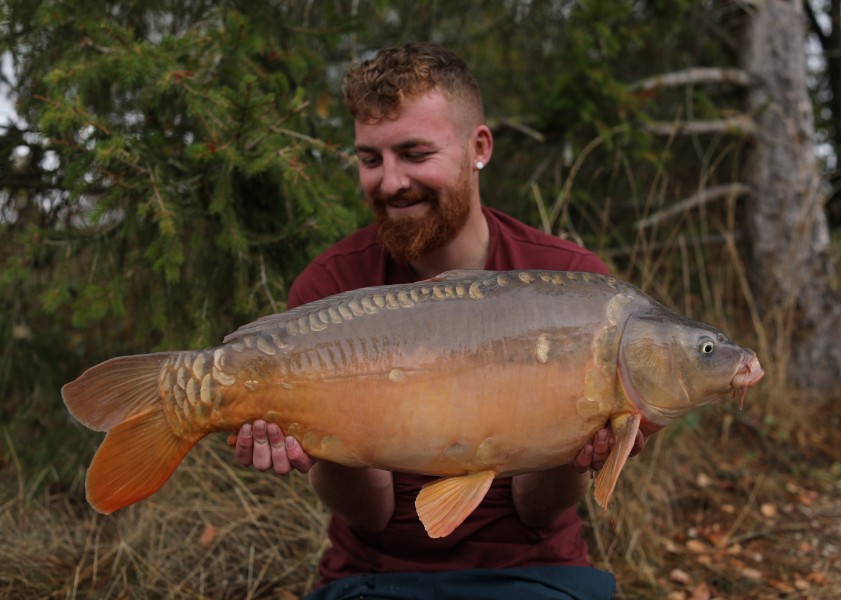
pixel 190 144
pixel 180 175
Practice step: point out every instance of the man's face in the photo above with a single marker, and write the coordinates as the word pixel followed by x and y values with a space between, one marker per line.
pixel 415 171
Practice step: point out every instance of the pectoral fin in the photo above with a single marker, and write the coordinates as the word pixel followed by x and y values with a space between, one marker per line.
pixel 444 504
pixel 625 427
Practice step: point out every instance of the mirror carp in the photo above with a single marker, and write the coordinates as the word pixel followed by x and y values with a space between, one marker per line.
pixel 468 376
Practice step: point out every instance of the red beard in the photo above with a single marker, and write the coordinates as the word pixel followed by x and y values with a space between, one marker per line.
pixel 407 239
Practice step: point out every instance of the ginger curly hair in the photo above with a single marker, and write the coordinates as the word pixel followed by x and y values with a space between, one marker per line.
pixel 377 88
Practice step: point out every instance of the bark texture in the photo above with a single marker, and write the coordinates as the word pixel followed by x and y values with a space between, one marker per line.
pixel 791 274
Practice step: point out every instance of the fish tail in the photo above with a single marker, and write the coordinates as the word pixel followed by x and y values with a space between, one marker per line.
pixel 141 450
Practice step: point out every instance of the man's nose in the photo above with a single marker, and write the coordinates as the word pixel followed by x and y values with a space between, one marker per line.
pixel 394 178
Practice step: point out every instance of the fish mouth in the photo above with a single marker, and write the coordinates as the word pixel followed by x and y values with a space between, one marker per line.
pixel 750 372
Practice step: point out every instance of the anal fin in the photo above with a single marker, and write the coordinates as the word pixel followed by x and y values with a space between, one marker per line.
pixel 443 505
pixel 625 428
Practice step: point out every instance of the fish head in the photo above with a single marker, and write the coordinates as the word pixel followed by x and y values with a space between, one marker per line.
pixel 669 365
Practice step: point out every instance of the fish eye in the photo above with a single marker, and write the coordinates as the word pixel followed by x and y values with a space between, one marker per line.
pixel 707 346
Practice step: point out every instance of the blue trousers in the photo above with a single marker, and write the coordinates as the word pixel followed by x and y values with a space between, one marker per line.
pixel 532 583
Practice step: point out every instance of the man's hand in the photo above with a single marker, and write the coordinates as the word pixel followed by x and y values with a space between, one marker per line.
pixel 593 456
pixel 363 497
pixel 264 446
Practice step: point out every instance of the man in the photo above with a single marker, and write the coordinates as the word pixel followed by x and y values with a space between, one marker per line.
pixel 422 143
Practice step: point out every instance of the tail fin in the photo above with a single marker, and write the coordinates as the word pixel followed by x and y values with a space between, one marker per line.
pixel 140 451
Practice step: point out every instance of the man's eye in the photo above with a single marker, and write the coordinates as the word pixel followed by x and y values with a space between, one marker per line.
pixel 414 156
pixel 369 161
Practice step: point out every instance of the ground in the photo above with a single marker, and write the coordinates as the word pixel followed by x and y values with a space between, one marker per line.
pixel 758 515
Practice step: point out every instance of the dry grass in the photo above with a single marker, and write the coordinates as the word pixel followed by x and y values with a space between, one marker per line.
pixel 214 531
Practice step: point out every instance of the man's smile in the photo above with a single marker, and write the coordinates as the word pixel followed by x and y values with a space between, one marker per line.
pixel 406 204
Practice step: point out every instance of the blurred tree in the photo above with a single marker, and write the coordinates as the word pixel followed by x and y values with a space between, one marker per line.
pixel 791 273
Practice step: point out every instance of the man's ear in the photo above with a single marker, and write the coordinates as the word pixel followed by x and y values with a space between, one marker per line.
pixel 482 141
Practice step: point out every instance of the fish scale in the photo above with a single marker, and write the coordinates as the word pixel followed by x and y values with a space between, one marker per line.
pixel 191 390
pixel 316 318
pixel 469 376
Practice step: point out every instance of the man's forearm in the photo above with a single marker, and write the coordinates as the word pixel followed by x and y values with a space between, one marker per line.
pixel 362 497
pixel 541 497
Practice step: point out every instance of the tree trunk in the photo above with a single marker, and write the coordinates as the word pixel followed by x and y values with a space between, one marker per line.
pixel 791 274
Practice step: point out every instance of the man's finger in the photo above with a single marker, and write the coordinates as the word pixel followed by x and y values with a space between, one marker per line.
pixel 245 445
pixel 297 457
pixel 262 456
pixel 278 449
pixel 639 444
pixel 601 448
pixel 582 461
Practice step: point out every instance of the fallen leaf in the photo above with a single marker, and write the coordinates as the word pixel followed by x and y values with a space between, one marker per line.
pixel 701 592
pixel 807 497
pixel 782 586
pixel 703 481
pixel 697 546
pixel 208 535
pixel 718 538
pixel 817 578
pixel 768 510
pixel 693 531
pixel 735 549
pixel 680 576
pixel 752 574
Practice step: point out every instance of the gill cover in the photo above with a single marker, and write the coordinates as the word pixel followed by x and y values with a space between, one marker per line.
pixel 669 365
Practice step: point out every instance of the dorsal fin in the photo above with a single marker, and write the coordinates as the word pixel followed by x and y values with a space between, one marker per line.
pixel 450 285
pixel 461 274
